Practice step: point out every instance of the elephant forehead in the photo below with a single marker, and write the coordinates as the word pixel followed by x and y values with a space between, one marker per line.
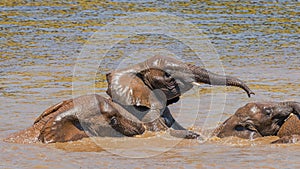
pixel 257 107
pixel 266 104
pixel 248 109
pixel 254 109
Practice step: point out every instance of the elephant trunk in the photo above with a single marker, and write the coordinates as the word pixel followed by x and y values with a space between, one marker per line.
pixel 294 105
pixel 204 76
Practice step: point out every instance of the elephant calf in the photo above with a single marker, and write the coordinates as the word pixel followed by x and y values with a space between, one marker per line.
pixel 263 119
pixel 93 115
pixel 160 81
pixel 89 115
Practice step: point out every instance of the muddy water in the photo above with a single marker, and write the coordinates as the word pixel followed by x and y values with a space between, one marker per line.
pixel 41 41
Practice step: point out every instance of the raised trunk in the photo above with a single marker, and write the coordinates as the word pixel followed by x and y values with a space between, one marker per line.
pixel 207 77
pixel 294 105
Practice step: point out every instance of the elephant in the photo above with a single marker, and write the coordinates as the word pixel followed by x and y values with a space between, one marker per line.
pixel 259 119
pixel 158 82
pixel 88 115
pixel 139 99
pixel 290 130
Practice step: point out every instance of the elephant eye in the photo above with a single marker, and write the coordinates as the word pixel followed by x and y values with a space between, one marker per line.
pixel 268 111
pixel 113 121
pixel 167 74
pixel 239 128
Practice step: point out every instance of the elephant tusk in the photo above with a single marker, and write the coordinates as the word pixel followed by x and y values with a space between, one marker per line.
pixel 251 137
pixel 195 83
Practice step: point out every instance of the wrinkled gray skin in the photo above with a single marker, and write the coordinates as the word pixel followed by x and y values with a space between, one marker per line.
pixel 258 119
pixel 143 90
pixel 158 82
pixel 88 115
pixel 93 115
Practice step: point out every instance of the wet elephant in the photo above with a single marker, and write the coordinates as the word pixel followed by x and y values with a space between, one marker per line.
pixel 258 119
pixel 144 91
pixel 88 115
pixel 158 82
pixel 289 132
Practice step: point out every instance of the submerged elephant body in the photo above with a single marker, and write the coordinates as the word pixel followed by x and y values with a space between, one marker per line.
pixel 260 119
pixel 93 115
pixel 89 116
pixel 139 99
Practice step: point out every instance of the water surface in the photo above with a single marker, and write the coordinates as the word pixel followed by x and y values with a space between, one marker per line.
pixel 40 42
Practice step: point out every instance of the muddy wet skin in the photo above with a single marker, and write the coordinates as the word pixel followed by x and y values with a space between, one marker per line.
pixel 90 116
pixel 41 42
pixel 74 119
pixel 262 119
pixel 151 85
pixel 289 132
pixel 93 115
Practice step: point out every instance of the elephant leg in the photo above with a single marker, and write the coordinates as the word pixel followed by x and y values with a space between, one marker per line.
pixel 160 125
pixel 157 122
pixel 176 130
pixel 170 121
pixel 158 101
pixel 184 134
pixel 159 115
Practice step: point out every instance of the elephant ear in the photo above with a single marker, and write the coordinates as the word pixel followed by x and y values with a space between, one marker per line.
pixel 74 119
pixel 56 125
pixel 53 109
pixel 60 123
pixel 290 126
pixel 127 88
pixel 66 129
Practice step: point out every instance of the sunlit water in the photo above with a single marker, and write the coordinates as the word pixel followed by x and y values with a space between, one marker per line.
pixel 40 42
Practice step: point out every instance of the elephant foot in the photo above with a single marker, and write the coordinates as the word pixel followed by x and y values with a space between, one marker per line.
pixel 185 134
pixel 156 125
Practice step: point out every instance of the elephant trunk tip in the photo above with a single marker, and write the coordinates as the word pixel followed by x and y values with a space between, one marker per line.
pixel 231 81
pixel 247 90
pixel 250 93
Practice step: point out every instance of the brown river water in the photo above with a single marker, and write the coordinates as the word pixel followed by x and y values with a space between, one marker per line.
pixel 50 52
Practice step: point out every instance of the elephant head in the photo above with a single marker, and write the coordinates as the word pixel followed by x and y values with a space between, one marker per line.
pixel 160 81
pixel 88 115
pixel 258 119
